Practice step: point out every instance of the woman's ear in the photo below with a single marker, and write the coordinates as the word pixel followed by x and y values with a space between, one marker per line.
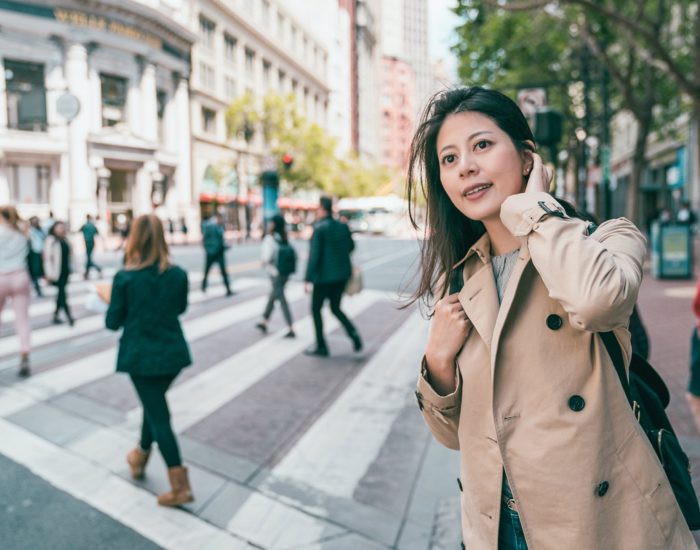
pixel 528 149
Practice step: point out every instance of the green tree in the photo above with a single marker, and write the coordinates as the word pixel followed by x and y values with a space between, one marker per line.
pixel 510 51
pixel 286 131
pixel 664 35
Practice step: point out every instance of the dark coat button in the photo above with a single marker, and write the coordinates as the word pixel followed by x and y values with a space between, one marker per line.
pixel 602 488
pixel 554 322
pixel 459 482
pixel 576 403
pixel 461 544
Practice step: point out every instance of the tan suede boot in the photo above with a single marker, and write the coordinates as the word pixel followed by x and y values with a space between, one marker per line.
pixel 137 459
pixel 180 492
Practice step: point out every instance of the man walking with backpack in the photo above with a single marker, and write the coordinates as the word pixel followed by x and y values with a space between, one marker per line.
pixel 329 269
pixel 280 261
pixel 215 248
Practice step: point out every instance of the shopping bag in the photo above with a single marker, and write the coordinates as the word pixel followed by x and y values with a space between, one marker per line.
pixel 355 282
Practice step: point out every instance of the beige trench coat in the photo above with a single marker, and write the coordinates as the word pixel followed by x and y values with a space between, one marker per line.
pixel 538 396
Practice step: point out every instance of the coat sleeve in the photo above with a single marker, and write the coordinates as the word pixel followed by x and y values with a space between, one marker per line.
pixel 116 313
pixel 596 278
pixel 440 412
pixel 314 256
pixel 185 288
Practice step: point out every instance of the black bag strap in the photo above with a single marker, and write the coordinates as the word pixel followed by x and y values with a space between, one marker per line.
pixel 615 352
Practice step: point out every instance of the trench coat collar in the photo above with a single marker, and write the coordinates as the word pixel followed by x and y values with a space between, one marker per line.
pixel 479 297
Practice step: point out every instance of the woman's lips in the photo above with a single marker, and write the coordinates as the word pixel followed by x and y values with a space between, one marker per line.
pixel 476 191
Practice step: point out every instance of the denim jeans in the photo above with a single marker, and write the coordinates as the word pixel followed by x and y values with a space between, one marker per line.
pixel 510 531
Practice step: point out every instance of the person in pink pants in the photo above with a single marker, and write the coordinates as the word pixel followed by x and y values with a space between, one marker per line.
pixel 14 278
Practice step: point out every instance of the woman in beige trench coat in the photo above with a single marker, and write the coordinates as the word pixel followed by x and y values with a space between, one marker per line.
pixel 515 375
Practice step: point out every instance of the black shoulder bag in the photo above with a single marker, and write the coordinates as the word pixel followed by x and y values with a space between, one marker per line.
pixel 648 396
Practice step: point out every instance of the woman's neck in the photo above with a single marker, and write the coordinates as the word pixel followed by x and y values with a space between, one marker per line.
pixel 502 240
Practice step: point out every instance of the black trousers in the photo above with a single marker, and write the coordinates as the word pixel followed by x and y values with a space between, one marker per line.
pixel 36 270
pixel 89 263
pixel 62 298
pixel 334 293
pixel 212 259
pixel 156 416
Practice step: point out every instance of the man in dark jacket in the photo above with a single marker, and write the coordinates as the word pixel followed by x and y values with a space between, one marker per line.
pixel 329 270
pixel 215 248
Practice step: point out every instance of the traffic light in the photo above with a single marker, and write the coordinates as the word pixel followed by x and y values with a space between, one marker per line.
pixel 287 160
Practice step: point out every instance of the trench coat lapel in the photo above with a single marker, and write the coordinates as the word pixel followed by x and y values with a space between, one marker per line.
pixel 479 298
pixel 507 301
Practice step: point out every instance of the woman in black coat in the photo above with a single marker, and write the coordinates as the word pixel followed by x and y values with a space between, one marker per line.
pixel 147 297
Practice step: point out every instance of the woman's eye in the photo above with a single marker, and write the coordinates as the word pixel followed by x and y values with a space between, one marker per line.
pixel 483 144
pixel 448 159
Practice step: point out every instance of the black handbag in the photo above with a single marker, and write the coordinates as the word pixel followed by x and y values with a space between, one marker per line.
pixel 648 396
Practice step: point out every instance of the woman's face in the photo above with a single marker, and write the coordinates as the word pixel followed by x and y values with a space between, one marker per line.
pixel 59 229
pixel 479 164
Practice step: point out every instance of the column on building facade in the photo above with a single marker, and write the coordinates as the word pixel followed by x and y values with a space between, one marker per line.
pixel 4 182
pixel 143 187
pixel 133 101
pixel 183 174
pixel 80 181
pixel 149 103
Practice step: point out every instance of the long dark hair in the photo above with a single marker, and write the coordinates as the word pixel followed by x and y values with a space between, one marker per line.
pixel 279 227
pixel 448 232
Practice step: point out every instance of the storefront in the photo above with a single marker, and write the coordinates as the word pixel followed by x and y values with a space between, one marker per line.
pixel 94 108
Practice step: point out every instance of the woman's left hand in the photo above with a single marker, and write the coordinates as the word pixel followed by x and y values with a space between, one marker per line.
pixel 540 176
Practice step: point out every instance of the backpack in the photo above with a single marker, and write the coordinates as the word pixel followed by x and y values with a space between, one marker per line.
pixel 648 396
pixel 286 261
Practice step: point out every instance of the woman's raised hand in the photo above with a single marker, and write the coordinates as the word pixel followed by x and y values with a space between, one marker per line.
pixel 540 176
pixel 448 331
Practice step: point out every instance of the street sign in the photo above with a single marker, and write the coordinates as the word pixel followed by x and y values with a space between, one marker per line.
pixel 530 100
pixel 68 106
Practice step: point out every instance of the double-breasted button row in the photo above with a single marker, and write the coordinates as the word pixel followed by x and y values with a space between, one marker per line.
pixel 602 488
pixel 459 484
pixel 554 322
pixel 576 403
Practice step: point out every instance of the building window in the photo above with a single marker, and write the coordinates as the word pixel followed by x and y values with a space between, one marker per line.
pixel 267 68
pixel 230 47
pixel 281 76
pixel 266 12
pixel 29 183
pixel 26 96
pixel 206 32
pixel 230 88
pixel 161 99
pixel 249 62
pixel 208 120
pixel 120 184
pixel 280 25
pixel 293 38
pixel 207 76
pixel 114 90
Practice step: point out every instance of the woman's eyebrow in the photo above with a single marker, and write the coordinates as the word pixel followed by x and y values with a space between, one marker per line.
pixel 472 136
pixel 480 132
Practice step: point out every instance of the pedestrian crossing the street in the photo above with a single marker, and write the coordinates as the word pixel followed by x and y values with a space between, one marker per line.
pixel 285 451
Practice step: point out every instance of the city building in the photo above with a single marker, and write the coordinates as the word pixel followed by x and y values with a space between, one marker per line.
pixel 244 46
pixel 667 174
pixel 94 109
pixel 415 44
pixel 367 75
pixel 398 111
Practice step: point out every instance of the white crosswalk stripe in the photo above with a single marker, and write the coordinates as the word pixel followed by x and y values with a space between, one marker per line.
pixel 330 457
